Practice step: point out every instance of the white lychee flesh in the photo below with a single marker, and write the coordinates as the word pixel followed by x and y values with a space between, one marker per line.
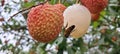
pixel 79 16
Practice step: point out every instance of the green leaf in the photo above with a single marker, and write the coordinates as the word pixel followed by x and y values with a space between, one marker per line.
pixel 70 50
pixel 80 44
pixel 41 48
pixel 28 4
pixel 53 1
pixel 103 12
pixel 10 46
pixel 62 46
pixel 78 52
pixel 95 24
pixel 101 41
pixel 0 41
pixel 59 40
pixel 83 48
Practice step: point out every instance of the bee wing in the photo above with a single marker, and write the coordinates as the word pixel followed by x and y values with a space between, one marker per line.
pixel 66 25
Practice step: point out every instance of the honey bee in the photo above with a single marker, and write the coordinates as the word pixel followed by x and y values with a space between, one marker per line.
pixel 69 30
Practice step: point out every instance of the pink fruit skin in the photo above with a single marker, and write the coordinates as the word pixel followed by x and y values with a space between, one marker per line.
pixel 44 22
pixel 60 7
pixel 95 17
pixel 95 6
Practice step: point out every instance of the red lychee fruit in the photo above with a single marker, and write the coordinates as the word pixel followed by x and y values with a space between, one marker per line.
pixel 2 2
pixel 2 19
pixel 114 38
pixel 44 22
pixel 61 7
pixel 26 1
pixel 95 17
pixel 95 6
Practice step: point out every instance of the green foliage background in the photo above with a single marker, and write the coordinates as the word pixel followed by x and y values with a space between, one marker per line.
pixel 104 34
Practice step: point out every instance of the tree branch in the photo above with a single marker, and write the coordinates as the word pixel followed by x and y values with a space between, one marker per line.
pixel 26 9
pixel 19 28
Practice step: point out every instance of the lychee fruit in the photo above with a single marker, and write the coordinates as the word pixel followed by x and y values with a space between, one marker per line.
pixel 44 22
pixel 95 17
pixel 95 6
pixel 61 7
pixel 79 16
pixel 2 2
pixel 26 1
pixel 2 19
pixel 114 38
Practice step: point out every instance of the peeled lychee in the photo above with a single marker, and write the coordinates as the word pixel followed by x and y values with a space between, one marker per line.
pixel 95 17
pixel 79 16
pixel 44 22
pixel 61 7
pixel 95 6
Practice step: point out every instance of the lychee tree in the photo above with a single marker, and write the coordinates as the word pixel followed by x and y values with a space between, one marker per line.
pixel 60 26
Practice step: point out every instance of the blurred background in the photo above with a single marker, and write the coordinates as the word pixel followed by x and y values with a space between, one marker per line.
pixel 102 37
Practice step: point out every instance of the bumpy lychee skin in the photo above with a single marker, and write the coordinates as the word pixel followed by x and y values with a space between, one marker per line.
pixel 95 6
pixel 61 7
pixel 44 22
pixel 95 17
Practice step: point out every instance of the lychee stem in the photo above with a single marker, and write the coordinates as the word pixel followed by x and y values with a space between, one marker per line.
pixel 47 1
pixel 77 1
pixel 64 1
pixel 59 1
pixel 25 10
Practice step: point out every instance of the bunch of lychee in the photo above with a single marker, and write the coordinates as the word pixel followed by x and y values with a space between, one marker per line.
pixel 46 21
pixel 95 7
